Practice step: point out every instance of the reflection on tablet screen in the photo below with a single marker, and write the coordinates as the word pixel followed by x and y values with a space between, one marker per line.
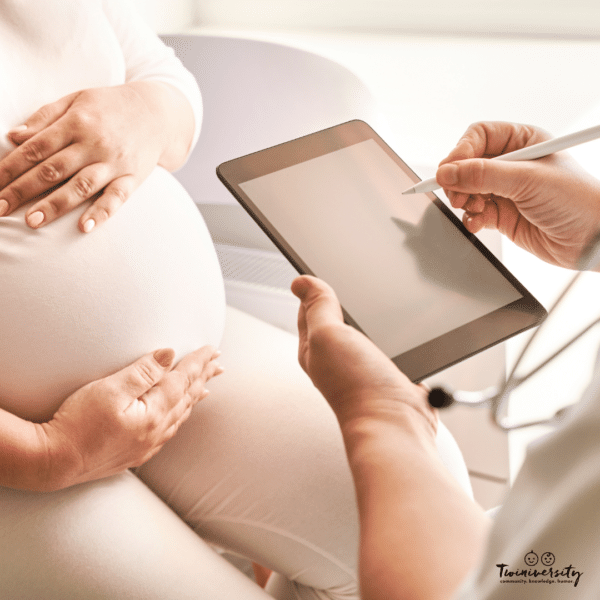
pixel 400 267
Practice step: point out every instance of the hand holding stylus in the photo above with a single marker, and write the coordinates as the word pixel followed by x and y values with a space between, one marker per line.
pixel 550 206
pixel 527 153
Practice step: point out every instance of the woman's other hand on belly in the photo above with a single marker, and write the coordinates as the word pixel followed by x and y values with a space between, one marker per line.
pixel 96 144
pixel 121 421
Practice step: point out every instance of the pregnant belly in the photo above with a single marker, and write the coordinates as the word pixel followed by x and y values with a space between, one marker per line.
pixel 76 307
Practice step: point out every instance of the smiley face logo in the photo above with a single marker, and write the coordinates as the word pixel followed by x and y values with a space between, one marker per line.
pixel 531 559
pixel 548 559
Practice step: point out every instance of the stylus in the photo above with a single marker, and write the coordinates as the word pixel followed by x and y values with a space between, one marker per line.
pixel 527 153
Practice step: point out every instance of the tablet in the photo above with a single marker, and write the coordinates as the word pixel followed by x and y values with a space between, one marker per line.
pixel 406 271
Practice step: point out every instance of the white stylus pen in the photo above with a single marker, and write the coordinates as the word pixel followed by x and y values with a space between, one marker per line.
pixel 527 153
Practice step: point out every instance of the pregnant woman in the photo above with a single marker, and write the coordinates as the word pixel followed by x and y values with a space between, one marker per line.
pixel 105 265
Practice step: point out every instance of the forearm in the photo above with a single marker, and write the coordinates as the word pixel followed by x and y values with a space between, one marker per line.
pixel 174 118
pixel 24 462
pixel 420 533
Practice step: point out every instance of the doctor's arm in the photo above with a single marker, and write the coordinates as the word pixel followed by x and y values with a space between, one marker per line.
pixel 107 426
pixel 420 533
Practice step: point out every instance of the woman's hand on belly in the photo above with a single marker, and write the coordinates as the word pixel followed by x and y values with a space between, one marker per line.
pixel 123 420
pixel 96 144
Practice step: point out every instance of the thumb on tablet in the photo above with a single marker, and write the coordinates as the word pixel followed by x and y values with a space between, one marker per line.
pixel 319 305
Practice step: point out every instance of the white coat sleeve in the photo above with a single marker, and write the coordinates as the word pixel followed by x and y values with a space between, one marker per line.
pixel 544 543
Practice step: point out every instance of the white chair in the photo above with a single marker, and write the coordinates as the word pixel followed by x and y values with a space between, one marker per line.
pixel 258 94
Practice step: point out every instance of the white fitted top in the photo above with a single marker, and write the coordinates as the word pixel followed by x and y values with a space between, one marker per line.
pixel 75 307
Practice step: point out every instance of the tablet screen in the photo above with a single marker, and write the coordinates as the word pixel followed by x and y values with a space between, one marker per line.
pixel 403 270
pixel 344 215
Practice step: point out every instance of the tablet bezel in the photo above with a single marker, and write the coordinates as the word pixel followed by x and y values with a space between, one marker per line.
pixel 433 356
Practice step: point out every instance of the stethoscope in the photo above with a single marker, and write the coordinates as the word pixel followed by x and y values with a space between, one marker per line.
pixel 495 398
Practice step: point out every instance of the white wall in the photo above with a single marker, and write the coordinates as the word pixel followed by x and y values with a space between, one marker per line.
pixel 168 16
pixel 526 17
pixel 538 17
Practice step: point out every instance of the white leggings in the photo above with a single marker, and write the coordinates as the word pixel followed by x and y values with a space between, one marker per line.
pixel 259 469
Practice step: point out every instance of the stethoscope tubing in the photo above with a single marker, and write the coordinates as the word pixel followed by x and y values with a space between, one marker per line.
pixel 496 397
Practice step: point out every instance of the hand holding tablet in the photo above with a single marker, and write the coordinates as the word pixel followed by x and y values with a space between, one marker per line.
pixel 406 271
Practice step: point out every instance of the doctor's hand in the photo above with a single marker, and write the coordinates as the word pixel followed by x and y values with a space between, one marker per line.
pixel 549 206
pixel 357 379
pixel 123 420
pixel 99 144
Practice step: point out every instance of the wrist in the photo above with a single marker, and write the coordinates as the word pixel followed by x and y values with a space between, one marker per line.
pixel 24 457
pixel 388 425
pixel 406 409
pixel 173 114
pixel 58 464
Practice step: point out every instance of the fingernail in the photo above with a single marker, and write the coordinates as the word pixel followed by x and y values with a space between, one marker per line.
pixel 17 129
pixel 89 225
pixel 164 357
pixel 447 175
pixel 35 219
pixel 3 207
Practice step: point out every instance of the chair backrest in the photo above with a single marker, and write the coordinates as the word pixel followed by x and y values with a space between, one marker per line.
pixel 257 94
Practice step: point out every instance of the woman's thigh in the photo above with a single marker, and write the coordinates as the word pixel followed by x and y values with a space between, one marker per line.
pixel 105 540
pixel 260 467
